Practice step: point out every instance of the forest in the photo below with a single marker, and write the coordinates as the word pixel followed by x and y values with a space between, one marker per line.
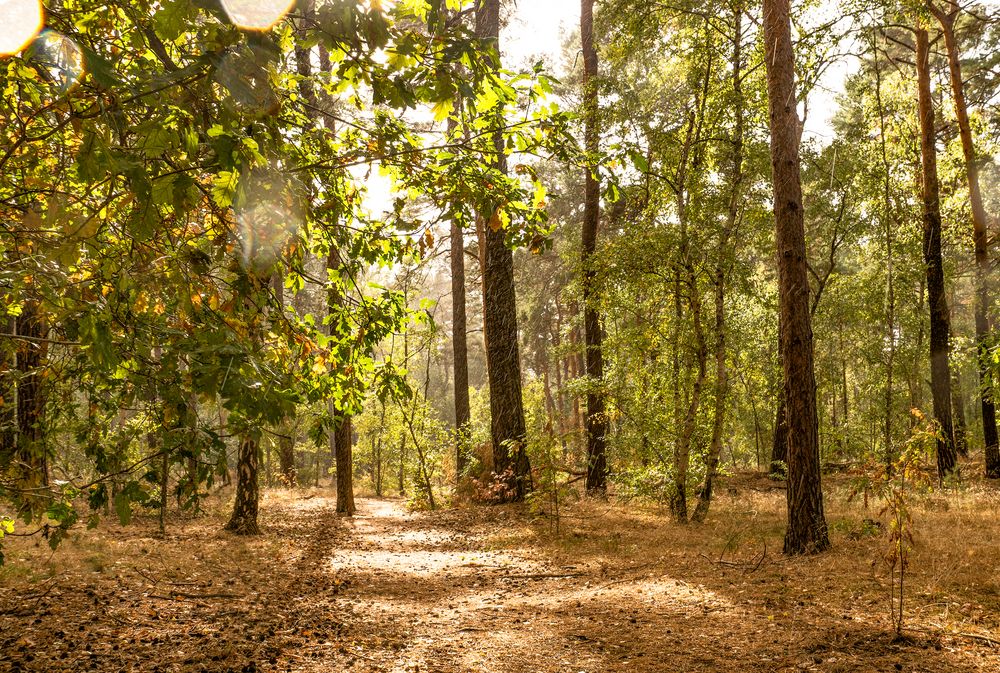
pixel 499 335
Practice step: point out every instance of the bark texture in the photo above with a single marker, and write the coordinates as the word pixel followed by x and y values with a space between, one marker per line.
pixel 937 300
pixel 596 421
pixel 503 364
pixel 244 518
pixel 807 529
pixel 30 452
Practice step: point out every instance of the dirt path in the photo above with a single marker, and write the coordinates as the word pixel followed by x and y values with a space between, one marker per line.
pixel 449 592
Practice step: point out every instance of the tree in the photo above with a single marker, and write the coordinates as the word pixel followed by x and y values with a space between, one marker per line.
pixel 947 17
pixel 937 300
pixel 459 337
pixel 596 423
pixel 807 529
pixel 507 428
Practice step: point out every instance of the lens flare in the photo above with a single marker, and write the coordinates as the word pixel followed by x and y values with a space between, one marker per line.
pixel 60 57
pixel 268 213
pixel 256 14
pixel 20 21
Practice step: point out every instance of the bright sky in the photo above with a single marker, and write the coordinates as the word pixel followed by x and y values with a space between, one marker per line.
pixel 537 29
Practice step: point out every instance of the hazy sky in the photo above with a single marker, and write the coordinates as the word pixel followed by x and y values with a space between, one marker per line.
pixel 537 28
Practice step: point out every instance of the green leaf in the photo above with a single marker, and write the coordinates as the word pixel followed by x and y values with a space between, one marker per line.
pixel 224 188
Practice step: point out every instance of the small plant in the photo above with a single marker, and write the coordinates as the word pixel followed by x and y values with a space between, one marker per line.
pixel 895 486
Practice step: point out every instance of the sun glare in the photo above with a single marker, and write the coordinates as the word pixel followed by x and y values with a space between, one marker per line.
pixel 256 14
pixel 21 21
pixel 267 214
pixel 61 57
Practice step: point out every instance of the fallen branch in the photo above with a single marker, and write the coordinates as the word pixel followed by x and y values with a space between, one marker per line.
pixel 992 642
pixel 540 576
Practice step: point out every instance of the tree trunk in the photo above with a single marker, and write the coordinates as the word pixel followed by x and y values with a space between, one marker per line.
pixel 807 529
pixel 30 453
pixel 596 421
pixel 980 241
pixel 459 342
pixel 958 414
pixel 936 299
pixel 244 518
pixel 889 223
pixel 8 395
pixel 341 435
pixel 722 267
pixel 503 366
pixel 779 442
pixel 286 456
pixel 345 475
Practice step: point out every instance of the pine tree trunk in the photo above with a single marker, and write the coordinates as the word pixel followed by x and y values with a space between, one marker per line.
pixel 459 341
pixel 596 422
pixel 980 243
pixel 244 518
pixel 507 426
pixel 30 450
pixel 936 299
pixel 345 474
pixel 807 529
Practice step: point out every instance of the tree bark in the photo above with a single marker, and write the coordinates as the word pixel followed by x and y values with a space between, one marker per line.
pixel 30 451
pixel 596 421
pixel 244 518
pixel 807 529
pixel 936 299
pixel 503 366
pixel 8 395
pixel 979 237
pixel 459 341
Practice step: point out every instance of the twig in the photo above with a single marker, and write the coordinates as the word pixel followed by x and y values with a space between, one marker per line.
pixel 540 576
pixel 992 642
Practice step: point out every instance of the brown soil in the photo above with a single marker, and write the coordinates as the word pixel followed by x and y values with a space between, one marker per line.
pixel 495 589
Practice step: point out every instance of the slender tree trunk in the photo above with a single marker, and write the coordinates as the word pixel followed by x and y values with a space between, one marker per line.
pixel 286 456
pixel 507 426
pixel 889 223
pixel 341 436
pixel 807 529
pixel 286 429
pixel 459 340
pixel 979 237
pixel 958 414
pixel 345 473
pixel 722 267
pixel 8 395
pixel 597 427
pixel 244 518
pixel 936 299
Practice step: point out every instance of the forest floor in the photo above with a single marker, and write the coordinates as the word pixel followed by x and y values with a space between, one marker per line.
pixel 495 589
